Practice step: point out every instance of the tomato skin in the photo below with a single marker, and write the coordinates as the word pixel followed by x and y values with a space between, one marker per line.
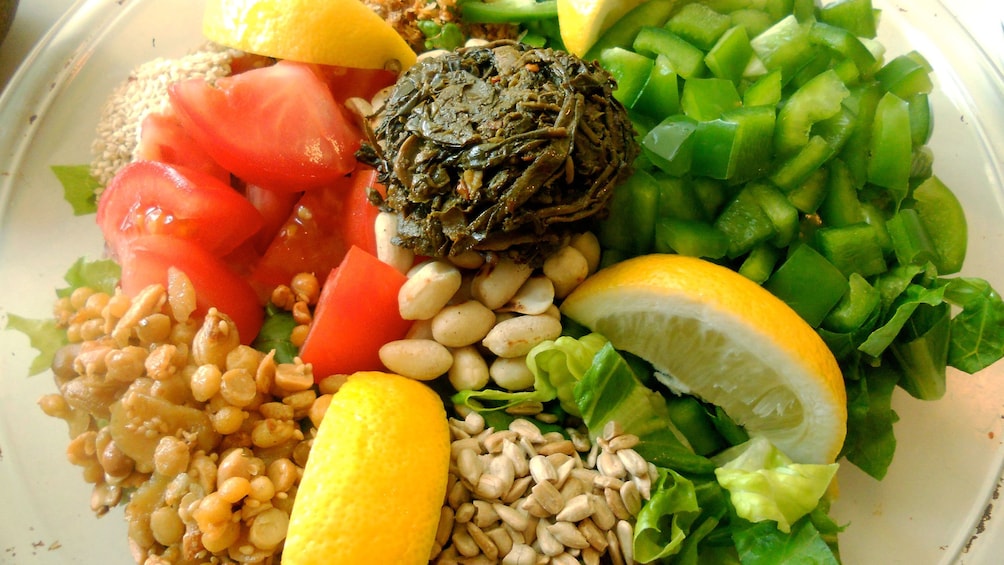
pixel 277 127
pixel 346 82
pixel 163 139
pixel 322 227
pixel 356 314
pixel 275 207
pixel 147 259
pixel 148 197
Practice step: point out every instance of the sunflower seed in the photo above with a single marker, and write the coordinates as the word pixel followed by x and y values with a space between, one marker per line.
pixel 576 508
pixel 549 545
pixel 520 554
pixel 568 535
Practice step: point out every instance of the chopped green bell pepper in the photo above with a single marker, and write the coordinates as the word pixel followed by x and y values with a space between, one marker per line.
pixel 766 91
pixel 759 264
pixel 732 147
pixel 700 25
pixel 660 97
pixel 630 70
pixel 944 220
pixel 693 238
pixel 853 248
pixel 708 98
pixel 686 59
pixel 507 11
pixel 730 56
pixel 856 16
pixel 891 147
pixel 817 100
pixel 670 145
pixel 791 173
pixel 809 283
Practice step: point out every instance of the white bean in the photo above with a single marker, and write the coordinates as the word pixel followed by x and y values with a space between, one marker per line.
pixel 517 336
pixel 420 329
pixel 396 256
pixel 566 269
pixel 420 359
pixel 462 324
pixel 511 373
pixel 589 246
pixel 495 284
pixel 469 370
pixel 534 297
pixel 467 260
pixel 428 289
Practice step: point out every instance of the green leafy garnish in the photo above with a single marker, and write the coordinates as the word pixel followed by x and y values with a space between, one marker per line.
pixel 44 336
pixel 80 189
pixel 101 275
pixel 274 334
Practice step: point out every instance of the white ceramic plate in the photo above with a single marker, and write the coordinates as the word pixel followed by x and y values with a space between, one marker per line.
pixel 935 506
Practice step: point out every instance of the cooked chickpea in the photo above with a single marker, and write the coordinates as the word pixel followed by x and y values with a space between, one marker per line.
pixel 228 420
pixel 237 387
pixel 171 456
pixel 282 473
pixel 269 529
pixel 261 488
pixel 306 287
pixel 206 382
pixel 234 489
pixel 166 525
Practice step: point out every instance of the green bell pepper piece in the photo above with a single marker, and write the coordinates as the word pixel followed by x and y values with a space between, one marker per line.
pixel 856 16
pixel 783 215
pixel 686 59
pixel 921 119
pixel 690 237
pixel 846 43
pixel 817 100
pixel 759 264
pixel 891 147
pixel 852 249
pixel 795 170
pixel 693 421
pixel 660 97
pixel 785 46
pixel 808 195
pixel 911 242
pixel 944 220
pixel 623 32
pixel 507 11
pixel 678 199
pixel 630 224
pixel 766 91
pixel 841 206
pixel 670 145
pixel 875 217
pixel 863 102
pixel 838 129
pixel 630 70
pixel 729 57
pixel 712 193
pixel 745 223
pixel 755 21
pixel 700 25
pixel 732 147
pixel 809 283
pixel 906 75
pixel 854 311
pixel 708 98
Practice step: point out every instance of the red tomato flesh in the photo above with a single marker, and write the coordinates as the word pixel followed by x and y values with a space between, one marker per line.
pixel 147 259
pixel 322 227
pixel 277 127
pixel 147 197
pixel 275 207
pixel 161 138
pixel 356 314
pixel 345 82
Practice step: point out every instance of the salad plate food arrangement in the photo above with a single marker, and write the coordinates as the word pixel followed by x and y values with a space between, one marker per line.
pixel 523 281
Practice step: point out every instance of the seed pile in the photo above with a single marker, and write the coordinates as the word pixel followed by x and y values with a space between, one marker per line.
pixel 212 435
pixel 519 496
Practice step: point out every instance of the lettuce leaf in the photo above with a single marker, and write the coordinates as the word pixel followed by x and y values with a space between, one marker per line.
pixel 764 484
pixel 764 544
pixel 80 189
pixel 101 275
pixel 665 520
pixel 43 335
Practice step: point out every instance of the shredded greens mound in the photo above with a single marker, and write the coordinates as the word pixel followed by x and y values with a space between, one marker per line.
pixel 500 148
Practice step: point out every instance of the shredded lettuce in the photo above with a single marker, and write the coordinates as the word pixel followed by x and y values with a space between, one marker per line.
pixel 765 484
pixel 665 521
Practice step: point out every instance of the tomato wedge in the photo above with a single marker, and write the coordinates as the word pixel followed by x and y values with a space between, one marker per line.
pixel 147 197
pixel 346 82
pixel 161 138
pixel 356 314
pixel 275 207
pixel 322 227
pixel 277 127
pixel 147 259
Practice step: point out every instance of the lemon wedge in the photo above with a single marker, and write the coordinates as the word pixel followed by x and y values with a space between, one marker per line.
pixel 345 33
pixel 717 335
pixel 583 21
pixel 376 477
